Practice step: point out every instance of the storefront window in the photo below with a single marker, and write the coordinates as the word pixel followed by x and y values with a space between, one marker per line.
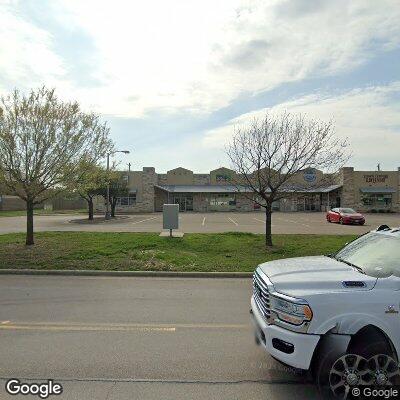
pixel 223 200
pixel 126 201
pixel 377 199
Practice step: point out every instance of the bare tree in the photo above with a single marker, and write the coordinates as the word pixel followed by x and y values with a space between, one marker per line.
pixel 42 142
pixel 91 181
pixel 269 153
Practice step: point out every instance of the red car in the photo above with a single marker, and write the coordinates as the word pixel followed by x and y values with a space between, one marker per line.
pixel 345 216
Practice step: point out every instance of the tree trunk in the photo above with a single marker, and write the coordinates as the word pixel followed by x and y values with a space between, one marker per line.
pixel 113 205
pixel 268 223
pixel 90 207
pixel 29 222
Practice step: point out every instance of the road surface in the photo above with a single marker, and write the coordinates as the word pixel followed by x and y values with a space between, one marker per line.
pixel 137 338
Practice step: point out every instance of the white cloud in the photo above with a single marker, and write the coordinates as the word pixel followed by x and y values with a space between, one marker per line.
pixel 26 57
pixel 194 55
pixel 368 117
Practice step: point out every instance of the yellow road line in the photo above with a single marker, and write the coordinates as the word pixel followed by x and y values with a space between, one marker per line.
pixel 43 326
pixel 82 328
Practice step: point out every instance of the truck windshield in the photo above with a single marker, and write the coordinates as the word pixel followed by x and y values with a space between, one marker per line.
pixel 375 254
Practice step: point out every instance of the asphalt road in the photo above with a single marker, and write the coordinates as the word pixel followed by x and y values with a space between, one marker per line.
pixel 137 338
pixel 254 222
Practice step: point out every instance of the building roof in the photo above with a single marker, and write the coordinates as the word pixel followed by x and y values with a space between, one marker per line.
pixel 235 189
pixel 371 189
pixel 203 188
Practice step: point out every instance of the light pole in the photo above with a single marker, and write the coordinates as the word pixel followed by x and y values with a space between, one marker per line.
pixel 108 215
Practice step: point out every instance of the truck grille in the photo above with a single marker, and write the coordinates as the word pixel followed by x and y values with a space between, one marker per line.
pixel 261 296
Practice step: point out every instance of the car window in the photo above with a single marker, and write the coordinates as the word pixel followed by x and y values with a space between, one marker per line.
pixel 376 254
pixel 347 211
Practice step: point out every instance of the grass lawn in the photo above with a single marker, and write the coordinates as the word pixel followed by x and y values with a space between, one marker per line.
pixel 40 212
pixel 148 251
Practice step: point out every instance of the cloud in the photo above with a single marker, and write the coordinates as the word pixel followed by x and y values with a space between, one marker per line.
pixel 191 56
pixel 26 58
pixel 369 117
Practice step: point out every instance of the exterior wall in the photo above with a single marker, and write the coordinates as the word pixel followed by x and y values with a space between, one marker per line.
pixel 221 176
pixel 348 198
pixel 243 203
pixel 149 198
pixel 200 202
pixel 162 179
pixel 353 181
pixel 180 176
pixel 161 197
pixel 11 203
pixel 140 182
pixel 201 179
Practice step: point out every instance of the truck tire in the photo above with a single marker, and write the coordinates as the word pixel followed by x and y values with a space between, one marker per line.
pixel 360 364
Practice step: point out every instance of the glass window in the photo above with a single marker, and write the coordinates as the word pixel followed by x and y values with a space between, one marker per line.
pixel 223 199
pixel 126 201
pixel 377 199
pixel 347 211
pixel 376 254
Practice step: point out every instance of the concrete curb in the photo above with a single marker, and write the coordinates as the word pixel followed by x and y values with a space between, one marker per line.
pixel 154 274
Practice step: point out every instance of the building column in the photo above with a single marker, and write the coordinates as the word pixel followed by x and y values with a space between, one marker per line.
pixel 348 198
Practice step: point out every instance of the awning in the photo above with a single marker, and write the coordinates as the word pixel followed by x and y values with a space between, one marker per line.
pixel 241 189
pixel 371 189
pixel 204 188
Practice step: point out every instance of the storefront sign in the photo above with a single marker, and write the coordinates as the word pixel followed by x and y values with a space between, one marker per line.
pixel 372 178
pixel 310 175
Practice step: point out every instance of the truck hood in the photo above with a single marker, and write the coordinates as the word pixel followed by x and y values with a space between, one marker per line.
pixel 302 276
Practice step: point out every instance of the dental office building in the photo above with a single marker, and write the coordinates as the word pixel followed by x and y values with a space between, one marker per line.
pixel 364 191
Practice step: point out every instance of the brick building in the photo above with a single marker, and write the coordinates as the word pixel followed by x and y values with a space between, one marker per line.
pixel 362 190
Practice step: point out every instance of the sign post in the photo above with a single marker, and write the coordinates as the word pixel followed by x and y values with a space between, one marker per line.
pixel 170 217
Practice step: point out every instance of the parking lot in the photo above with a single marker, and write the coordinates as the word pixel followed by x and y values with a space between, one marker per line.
pixel 254 222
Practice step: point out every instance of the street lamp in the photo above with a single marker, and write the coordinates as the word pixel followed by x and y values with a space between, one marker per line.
pixel 108 214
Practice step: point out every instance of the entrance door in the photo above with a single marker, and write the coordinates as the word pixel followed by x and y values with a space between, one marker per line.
pixel 185 202
pixel 189 203
pixel 309 203
pixel 181 202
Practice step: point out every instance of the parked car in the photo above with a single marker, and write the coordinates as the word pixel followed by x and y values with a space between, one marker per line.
pixel 336 316
pixel 345 216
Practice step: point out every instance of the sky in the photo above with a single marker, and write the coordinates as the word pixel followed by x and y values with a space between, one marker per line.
pixel 174 78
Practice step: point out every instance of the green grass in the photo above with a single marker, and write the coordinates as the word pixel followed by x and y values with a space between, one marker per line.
pixel 148 251
pixel 40 212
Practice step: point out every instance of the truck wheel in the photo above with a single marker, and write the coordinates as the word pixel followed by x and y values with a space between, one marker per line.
pixel 336 376
pixel 369 360
pixel 382 361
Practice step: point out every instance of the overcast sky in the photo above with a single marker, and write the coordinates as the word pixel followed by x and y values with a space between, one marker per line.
pixel 174 77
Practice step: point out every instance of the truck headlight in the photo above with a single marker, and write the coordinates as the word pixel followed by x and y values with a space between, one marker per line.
pixel 294 312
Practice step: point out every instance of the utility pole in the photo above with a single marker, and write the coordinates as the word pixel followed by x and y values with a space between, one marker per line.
pixel 379 166
pixel 129 167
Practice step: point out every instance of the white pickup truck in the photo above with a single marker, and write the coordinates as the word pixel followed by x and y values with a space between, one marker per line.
pixel 337 315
